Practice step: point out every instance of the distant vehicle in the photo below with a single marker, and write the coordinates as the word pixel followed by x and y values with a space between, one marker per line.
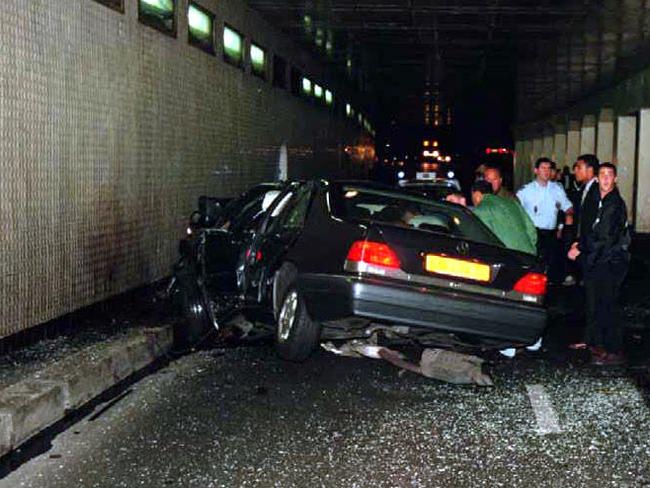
pixel 338 260
pixel 434 188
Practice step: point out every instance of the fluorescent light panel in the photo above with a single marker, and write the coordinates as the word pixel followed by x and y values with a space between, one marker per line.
pixel 199 22
pixel 232 43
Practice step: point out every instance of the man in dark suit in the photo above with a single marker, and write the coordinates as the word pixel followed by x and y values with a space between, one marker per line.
pixel 587 175
pixel 604 257
pixel 583 193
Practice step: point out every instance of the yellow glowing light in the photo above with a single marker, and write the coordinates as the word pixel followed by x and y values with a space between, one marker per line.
pixel 435 143
pixel 425 143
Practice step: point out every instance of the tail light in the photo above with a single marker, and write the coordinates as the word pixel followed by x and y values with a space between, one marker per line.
pixel 532 284
pixel 375 253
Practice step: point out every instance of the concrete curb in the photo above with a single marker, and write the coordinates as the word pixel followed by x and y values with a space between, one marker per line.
pixel 37 402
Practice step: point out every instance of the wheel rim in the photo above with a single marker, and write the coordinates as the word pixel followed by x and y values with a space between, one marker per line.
pixel 287 315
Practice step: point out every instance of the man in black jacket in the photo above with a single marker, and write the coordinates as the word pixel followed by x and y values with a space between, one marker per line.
pixel 587 175
pixel 583 193
pixel 604 257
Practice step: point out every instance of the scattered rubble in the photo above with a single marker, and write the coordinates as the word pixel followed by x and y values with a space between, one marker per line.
pixel 440 364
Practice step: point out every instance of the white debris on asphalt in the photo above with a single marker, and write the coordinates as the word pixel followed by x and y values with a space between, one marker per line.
pixel 440 364
pixel 547 420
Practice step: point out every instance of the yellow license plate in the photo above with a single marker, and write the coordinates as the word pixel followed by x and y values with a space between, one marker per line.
pixel 457 267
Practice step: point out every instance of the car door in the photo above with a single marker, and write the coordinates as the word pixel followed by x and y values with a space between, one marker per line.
pixel 223 248
pixel 282 225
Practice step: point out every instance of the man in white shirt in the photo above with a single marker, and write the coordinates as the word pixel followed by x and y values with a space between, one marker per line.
pixel 543 199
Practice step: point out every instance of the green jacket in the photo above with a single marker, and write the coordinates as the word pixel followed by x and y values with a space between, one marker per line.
pixel 509 222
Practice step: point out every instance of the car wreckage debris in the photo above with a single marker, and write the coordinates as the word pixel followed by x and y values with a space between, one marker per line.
pixel 440 364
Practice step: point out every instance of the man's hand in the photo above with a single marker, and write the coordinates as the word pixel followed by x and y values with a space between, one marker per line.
pixel 574 252
pixel 568 217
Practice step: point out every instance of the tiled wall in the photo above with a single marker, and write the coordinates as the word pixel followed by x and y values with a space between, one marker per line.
pixel 109 130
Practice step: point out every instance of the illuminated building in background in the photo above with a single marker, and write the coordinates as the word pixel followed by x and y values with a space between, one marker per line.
pixel 436 114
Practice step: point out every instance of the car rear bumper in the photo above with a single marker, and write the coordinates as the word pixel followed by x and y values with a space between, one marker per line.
pixel 499 320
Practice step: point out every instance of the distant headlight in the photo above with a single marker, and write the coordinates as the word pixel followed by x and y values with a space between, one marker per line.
pixel 401 175
pixel 450 174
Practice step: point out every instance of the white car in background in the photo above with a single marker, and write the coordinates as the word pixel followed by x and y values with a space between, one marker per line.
pixel 430 186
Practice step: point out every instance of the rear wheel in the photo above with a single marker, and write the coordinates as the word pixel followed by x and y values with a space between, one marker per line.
pixel 296 333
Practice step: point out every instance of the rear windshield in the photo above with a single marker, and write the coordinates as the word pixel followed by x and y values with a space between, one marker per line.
pixel 402 209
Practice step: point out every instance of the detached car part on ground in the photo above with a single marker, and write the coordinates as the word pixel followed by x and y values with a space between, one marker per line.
pixel 342 260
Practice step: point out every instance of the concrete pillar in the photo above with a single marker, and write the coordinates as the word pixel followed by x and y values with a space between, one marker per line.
pixel 547 145
pixel 642 216
pixel 527 163
pixel 588 135
pixel 519 164
pixel 572 142
pixel 538 145
pixel 625 160
pixel 605 135
pixel 559 145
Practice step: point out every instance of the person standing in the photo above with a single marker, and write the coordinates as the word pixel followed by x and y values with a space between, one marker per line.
pixel 603 252
pixel 574 192
pixel 584 198
pixel 587 176
pixel 492 174
pixel 543 199
pixel 505 217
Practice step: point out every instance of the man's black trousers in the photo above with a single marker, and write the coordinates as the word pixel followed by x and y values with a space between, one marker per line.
pixel 549 248
pixel 602 288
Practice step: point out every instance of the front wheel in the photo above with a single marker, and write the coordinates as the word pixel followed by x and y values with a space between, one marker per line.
pixel 296 334
pixel 194 323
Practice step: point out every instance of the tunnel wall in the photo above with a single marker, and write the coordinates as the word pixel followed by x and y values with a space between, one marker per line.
pixel 110 130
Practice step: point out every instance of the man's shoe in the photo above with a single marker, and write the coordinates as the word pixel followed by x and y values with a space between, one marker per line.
pixel 609 359
pixel 569 281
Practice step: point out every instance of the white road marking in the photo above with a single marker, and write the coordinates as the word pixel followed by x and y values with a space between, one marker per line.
pixel 547 420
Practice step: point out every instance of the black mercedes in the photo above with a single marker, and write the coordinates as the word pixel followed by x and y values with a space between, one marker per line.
pixel 346 259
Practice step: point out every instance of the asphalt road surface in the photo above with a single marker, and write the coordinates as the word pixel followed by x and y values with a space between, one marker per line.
pixel 243 417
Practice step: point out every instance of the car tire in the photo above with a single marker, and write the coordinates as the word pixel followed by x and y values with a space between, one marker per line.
pixel 284 278
pixel 296 334
pixel 194 323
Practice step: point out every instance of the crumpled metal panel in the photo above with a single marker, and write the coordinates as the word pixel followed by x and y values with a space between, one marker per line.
pixel 109 131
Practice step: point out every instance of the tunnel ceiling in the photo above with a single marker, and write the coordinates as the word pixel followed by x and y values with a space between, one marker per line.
pixel 400 49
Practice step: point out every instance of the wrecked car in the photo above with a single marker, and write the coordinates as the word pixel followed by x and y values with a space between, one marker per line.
pixel 340 260
pixel 216 233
